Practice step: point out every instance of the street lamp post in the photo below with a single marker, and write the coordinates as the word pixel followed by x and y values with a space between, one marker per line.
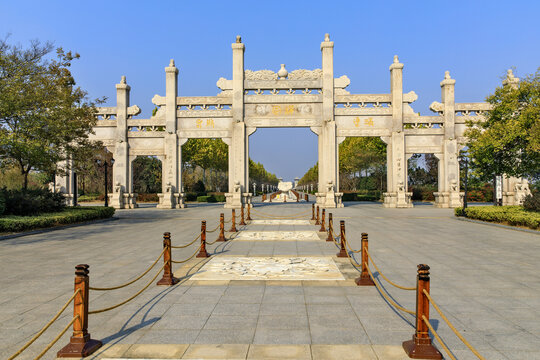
pixel 254 189
pixel 106 166
pixel 465 182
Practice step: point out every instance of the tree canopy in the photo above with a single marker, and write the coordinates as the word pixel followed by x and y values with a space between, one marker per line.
pixel 44 116
pixel 508 141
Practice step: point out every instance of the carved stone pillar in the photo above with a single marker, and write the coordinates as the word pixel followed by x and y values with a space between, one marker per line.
pixel 449 195
pixel 397 195
pixel 120 168
pixel 238 162
pixel 328 170
pixel 65 184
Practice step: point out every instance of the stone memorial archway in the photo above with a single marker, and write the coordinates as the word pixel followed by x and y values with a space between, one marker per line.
pixel 300 98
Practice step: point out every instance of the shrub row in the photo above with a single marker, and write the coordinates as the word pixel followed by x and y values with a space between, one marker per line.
pixel 363 195
pixel 211 198
pixel 13 223
pixel 512 215
pixel 30 201
pixel 532 202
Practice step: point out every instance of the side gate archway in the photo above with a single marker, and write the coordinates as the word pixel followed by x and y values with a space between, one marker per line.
pixel 300 98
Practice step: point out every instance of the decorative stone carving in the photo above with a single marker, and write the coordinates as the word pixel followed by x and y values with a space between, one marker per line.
pixel 303 74
pixel 260 75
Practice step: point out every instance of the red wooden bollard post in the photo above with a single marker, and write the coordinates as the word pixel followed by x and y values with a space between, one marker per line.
pixel 323 220
pixel 202 253
pixel 233 221
pixel 168 278
pixel 221 236
pixel 242 222
pixel 80 344
pixel 420 347
pixel 317 219
pixel 364 279
pixel 342 251
pixel 249 213
pixel 306 197
pixel 312 211
pixel 330 228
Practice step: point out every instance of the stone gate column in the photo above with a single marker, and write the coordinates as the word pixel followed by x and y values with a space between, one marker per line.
pixel 449 195
pixel 514 189
pixel 170 165
pixel 328 170
pixel 397 195
pixel 65 183
pixel 238 163
pixel 121 165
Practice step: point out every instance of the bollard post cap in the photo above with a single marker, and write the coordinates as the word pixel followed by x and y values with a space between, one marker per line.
pixel 166 234
pixel 364 235
pixel 423 272
pixel 81 269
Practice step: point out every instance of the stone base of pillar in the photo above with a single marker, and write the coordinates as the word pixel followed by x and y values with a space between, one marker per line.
pixel 69 200
pixel 166 201
pixel 233 201
pixel 339 200
pixel 320 198
pixel 116 200
pixel 399 199
pixel 448 199
pixel 329 200
pixel 130 200
pixel 246 198
pixel 179 200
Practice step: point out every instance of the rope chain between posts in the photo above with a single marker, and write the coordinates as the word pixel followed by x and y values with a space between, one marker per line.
pixel 43 329
pixel 350 249
pixel 458 334
pixel 211 231
pixel 395 304
pixel 426 321
pixel 189 258
pixel 51 344
pixel 132 281
pixel 384 276
pixel 131 298
pixel 185 246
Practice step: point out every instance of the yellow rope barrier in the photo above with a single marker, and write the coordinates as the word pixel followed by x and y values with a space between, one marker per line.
pixel 189 258
pixel 351 250
pixel 185 246
pixel 51 344
pixel 211 231
pixel 458 334
pixel 385 278
pixel 386 296
pixel 131 298
pixel 132 281
pixel 438 338
pixel 31 341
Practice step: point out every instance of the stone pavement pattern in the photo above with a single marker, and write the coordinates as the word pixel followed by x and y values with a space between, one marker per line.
pixel 484 278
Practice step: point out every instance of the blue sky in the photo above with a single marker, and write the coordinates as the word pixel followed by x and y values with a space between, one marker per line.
pixel 475 40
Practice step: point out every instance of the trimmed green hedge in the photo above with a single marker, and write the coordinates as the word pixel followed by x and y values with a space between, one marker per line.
pixel 512 215
pixel 13 223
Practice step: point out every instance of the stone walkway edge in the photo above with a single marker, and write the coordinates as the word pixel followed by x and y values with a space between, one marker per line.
pixel 248 351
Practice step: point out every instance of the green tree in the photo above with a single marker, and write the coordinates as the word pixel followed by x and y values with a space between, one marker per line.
pixel 508 141
pixel 44 117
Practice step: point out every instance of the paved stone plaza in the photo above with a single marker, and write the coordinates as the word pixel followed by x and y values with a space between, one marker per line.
pixel 484 277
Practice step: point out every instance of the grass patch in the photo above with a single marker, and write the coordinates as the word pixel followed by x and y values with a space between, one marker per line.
pixel 508 215
pixel 14 223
